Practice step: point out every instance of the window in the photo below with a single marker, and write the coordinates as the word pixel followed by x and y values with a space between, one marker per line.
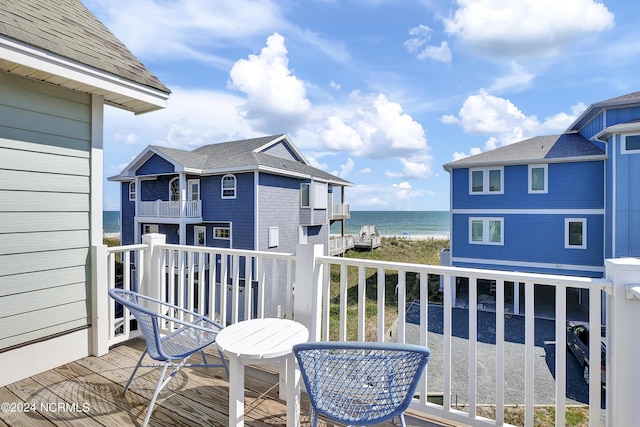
pixel 199 235
pixel 222 233
pixel 149 228
pixel 229 187
pixel 194 189
pixel 486 231
pixel 174 190
pixel 304 195
pixel 273 237
pixel 575 234
pixel 630 144
pixel 486 181
pixel 538 179
pixel 132 191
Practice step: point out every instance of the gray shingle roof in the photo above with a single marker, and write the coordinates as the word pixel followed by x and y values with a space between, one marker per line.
pixel 534 150
pixel 243 155
pixel 68 29
pixel 594 109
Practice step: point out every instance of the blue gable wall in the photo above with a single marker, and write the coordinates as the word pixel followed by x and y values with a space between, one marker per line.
pixel 127 212
pixel 155 165
pixel 239 211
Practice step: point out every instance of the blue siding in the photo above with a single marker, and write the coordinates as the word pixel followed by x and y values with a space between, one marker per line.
pixel 239 211
pixel 622 115
pixel 127 212
pixel 155 165
pixel 627 210
pixel 543 245
pixel 575 185
pixel 593 127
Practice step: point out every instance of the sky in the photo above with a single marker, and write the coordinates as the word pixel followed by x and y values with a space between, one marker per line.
pixel 381 93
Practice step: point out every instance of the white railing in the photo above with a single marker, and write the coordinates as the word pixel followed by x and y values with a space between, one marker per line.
pixel 340 299
pixel 183 276
pixel 171 209
pixel 341 210
pixel 123 272
pixel 370 275
pixel 340 244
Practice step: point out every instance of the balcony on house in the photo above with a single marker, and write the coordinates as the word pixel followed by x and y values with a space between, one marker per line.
pixel 487 362
pixel 190 209
pixel 340 211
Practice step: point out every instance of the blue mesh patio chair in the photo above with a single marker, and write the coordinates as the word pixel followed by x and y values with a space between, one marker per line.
pixel 359 383
pixel 193 333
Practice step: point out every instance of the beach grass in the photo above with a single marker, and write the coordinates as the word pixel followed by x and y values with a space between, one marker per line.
pixel 394 249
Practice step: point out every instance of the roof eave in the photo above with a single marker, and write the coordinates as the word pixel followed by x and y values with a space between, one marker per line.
pixel 37 64
pixel 450 166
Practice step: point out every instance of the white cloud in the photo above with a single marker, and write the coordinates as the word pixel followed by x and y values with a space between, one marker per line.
pixel 526 28
pixel 417 45
pixel 518 78
pixel 396 196
pixel 503 122
pixel 346 168
pixel 440 53
pixel 276 99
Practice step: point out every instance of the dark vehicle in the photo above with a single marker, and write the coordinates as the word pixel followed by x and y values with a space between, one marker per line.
pixel 578 344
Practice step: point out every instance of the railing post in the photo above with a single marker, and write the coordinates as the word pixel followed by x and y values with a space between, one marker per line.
pixel 623 318
pixel 100 301
pixel 307 306
pixel 151 269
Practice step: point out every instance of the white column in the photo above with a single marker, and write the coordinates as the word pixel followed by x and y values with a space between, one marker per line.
pixel 623 318
pixel 99 302
pixel 151 272
pixel 307 307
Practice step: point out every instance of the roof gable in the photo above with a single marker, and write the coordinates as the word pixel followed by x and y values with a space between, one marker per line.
pixel 235 156
pixel 594 109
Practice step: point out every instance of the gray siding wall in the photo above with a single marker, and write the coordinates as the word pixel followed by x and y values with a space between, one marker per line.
pixel 45 148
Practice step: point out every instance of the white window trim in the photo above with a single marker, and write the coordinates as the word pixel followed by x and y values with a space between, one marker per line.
pixel 190 184
pixel 274 237
pixel 308 185
pixel 545 190
pixel 623 146
pixel 584 233
pixel 199 229
pixel 223 228
pixel 132 193
pixel 485 231
pixel 177 179
pixel 235 187
pixel 485 181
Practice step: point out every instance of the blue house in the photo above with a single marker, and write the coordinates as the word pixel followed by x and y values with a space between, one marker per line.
pixel 254 194
pixel 557 204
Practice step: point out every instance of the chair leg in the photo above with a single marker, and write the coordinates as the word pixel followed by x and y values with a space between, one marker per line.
pixel 144 353
pixel 402 421
pixel 159 387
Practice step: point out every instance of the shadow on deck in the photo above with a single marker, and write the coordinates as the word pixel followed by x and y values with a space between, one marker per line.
pixel 88 392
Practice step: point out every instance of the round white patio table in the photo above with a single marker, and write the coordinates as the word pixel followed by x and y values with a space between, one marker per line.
pixel 260 341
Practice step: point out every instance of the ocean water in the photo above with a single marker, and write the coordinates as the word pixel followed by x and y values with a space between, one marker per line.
pixel 399 223
pixel 111 221
pixel 389 223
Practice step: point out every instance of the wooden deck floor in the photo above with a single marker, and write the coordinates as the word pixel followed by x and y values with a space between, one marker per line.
pixel 88 392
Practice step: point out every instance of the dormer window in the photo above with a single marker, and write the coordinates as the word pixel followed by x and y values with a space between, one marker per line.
pixel 229 187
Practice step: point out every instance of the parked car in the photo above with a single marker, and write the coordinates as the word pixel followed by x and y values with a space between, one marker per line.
pixel 578 344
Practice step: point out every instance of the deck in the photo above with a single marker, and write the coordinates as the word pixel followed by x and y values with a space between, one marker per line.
pixel 88 392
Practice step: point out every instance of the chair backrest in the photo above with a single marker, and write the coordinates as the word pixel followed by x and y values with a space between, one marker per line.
pixel 147 320
pixel 361 383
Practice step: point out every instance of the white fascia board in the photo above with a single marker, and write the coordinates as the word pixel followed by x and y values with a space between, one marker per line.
pixel 520 264
pixel 520 162
pixel 57 65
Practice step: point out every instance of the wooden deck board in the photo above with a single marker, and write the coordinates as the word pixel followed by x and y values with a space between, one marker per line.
pixel 88 392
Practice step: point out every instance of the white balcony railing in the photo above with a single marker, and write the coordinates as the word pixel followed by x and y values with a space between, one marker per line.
pixel 172 209
pixel 341 211
pixel 395 301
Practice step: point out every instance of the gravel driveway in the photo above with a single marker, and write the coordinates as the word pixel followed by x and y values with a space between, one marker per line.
pixel 544 354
